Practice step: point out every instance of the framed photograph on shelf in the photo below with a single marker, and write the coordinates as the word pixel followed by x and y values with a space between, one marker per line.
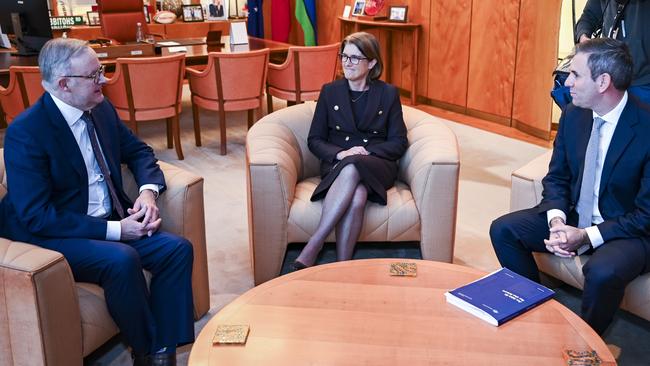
pixel 93 18
pixel 357 9
pixel 346 11
pixel 147 15
pixel 215 9
pixel 192 13
pixel 397 13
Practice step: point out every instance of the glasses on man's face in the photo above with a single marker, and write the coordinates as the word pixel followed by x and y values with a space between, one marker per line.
pixel 354 60
pixel 95 76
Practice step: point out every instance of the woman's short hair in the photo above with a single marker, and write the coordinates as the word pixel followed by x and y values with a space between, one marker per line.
pixel 369 47
pixel 55 57
pixel 608 56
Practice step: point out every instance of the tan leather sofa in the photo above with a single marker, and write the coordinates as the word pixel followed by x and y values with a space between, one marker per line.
pixel 48 319
pixel 527 192
pixel 282 174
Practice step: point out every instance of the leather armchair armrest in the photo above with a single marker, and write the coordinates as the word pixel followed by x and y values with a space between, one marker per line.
pixel 273 161
pixel 182 212
pixel 40 322
pixel 431 168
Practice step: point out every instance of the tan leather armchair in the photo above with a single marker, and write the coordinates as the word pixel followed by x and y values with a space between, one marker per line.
pixel 527 192
pixel 282 174
pixel 48 319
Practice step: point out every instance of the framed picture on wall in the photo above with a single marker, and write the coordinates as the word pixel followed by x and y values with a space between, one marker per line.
pixel 93 18
pixel 357 9
pixel 192 13
pixel 397 13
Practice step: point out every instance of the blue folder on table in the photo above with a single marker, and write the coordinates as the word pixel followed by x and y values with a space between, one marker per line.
pixel 499 296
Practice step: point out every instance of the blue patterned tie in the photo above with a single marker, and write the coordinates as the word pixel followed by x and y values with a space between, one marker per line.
pixel 585 207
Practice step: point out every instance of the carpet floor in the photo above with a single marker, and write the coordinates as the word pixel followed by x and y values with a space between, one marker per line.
pixel 487 159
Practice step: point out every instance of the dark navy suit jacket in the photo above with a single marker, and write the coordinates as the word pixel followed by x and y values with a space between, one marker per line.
pixel 624 199
pixel 47 179
pixel 381 131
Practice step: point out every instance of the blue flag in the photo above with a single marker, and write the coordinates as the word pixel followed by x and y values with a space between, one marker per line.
pixel 255 19
pixel 310 6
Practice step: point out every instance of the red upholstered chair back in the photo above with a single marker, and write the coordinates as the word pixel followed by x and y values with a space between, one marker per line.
pixel 119 18
pixel 23 90
pixel 240 77
pixel 303 74
pixel 147 88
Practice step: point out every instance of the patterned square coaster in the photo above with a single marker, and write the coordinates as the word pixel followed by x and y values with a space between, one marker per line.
pixel 581 358
pixel 231 334
pixel 409 269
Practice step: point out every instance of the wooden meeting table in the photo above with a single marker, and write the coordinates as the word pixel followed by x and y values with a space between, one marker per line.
pixel 196 54
pixel 354 313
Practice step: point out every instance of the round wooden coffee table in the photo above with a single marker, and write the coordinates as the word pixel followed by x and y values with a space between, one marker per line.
pixel 354 313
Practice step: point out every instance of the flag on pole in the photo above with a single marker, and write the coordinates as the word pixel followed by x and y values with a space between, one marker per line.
pixel 280 20
pixel 307 24
pixel 255 19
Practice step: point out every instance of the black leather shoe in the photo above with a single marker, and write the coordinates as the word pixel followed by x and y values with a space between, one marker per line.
pixel 163 359
pixel 140 360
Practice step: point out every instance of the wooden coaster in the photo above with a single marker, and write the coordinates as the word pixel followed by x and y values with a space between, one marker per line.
pixel 409 269
pixel 231 334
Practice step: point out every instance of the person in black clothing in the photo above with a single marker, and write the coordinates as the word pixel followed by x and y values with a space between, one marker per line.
pixel 358 133
pixel 633 29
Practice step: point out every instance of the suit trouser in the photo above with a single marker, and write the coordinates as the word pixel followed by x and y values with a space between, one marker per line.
pixel 610 268
pixel 149 319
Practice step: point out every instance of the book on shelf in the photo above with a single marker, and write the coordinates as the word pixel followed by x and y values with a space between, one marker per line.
pixel 499 296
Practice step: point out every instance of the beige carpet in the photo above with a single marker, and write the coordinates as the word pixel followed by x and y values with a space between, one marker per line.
pixel 486 162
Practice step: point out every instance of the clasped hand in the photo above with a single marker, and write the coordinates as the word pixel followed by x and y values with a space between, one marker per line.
pixel 564 240
pixel 354 150
pixel 143 218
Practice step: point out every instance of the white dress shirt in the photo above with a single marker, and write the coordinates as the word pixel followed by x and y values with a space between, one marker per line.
pixel 99 198
pixel 606 133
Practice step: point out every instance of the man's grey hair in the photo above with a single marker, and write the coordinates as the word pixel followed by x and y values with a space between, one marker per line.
pixel 608 56
pixel 55 58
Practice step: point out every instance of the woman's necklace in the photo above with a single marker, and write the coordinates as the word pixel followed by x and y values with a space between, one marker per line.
pixel 354 100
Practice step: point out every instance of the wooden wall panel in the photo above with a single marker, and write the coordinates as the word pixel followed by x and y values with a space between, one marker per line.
pixel 418 12
pixel 329 27
pixel 492 57
pixel 448 56
pixel 536 59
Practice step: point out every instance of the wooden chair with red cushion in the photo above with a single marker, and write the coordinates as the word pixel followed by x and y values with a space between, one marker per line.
pixel 119 19
pixel 23 90
pixel 230 82
pixel 149 88
pixel 302 75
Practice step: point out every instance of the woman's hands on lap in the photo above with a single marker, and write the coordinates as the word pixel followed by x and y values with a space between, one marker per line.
pixel 354 150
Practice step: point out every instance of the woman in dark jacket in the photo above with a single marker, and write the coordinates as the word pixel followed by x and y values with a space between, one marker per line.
pixel 359 134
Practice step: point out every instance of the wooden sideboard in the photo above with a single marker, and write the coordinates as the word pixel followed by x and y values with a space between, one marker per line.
pixel 490 58
pixel 174 30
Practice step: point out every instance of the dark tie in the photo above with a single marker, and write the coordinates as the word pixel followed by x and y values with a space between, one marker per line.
pixel 90 127
pixel 585 207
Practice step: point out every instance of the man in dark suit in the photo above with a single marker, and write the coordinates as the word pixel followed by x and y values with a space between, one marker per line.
pixel 596 196
pixel 63 159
